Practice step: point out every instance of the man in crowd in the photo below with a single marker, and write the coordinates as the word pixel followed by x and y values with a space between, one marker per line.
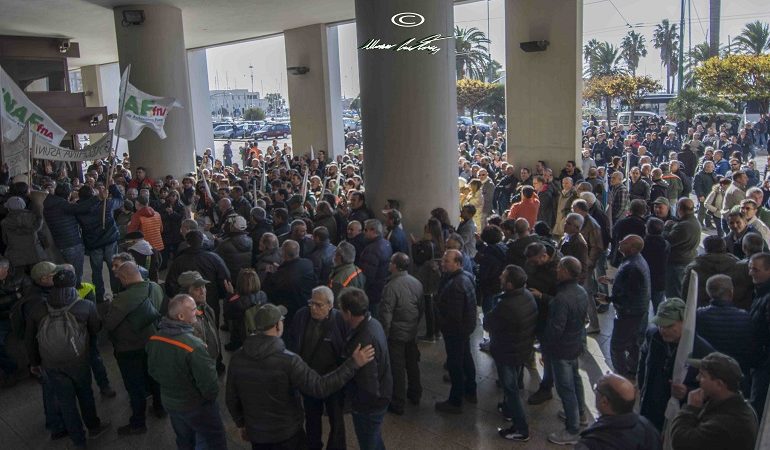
pixel 292 282
pixel 684 238
pixel 759 270
pixel 186 373
pixel 374 262
pixel 264 380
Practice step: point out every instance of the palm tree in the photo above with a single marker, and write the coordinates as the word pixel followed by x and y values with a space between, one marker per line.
pixel 755 38
pixel 604 60
pixel 666 39
pixel 472 54
pixel 697 56
pixel 589 49
pixel 715 11
pixel 633 49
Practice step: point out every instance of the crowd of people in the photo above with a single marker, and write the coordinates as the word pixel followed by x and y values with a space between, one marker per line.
pixel 321 300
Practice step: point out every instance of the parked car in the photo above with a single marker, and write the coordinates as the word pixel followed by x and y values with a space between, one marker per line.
pixel 351 124
pixel 229 131
pixel 272 131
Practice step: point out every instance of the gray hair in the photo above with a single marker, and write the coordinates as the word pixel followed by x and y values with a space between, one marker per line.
pixel 190 225
pixel 325 292
pixel 375 224
pixel 575 218
pixel 347 252
pixel 290 249
pixel 752 243
pixel 269 241
pixel 176 303
pixel 720 287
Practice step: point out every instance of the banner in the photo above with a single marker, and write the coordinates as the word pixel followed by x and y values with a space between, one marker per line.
pixel 98 150
pixel 143 110
pixel 18 111
pixel 16 153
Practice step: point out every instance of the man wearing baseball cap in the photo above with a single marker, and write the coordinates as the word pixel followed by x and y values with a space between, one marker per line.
pixel 716 415
pixel 656 362
pixel 205 328
pixel 264 378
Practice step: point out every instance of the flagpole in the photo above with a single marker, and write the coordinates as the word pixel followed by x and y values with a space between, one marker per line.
pixel 31 141
pixel 116 135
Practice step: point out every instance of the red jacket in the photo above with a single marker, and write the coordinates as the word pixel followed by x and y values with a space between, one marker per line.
pixel 526 208
pixel 146 183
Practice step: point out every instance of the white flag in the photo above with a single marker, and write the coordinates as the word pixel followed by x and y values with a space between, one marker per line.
pixel 16 154
pixel 18 110
pixel 143 110
pixel 686 343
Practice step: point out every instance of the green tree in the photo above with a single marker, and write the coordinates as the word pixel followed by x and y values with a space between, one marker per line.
pixel 633 48
pixel 737 78
pixel 690 102
pixel 472 55
pixel 355 105
pixel 631 89
pixel 494 102
pixel 597 89
pixel 666 39
pixel 471 94
pixel 603 60
pixel 754 39
pixel 254 114
pixel 275 103
pixel 695 57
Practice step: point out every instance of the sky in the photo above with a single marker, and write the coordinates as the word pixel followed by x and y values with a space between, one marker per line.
pixel 605 20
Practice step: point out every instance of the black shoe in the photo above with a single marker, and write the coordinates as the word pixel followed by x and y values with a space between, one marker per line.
pixel 233 346
pixel 221 368
pixel 471 398
pixel 541 396
pixel 59 435
pixel 414 400
pixel 446 378
pixel 449 408
pixel 395 410
pixel 159 412
pixel 94 433
pixel 224 327
pixel 128 430
pixel 108 392
pixel 512 434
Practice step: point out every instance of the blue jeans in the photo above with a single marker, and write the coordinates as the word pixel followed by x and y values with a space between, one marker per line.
pixel 368 428
pixel 512 407
pixel 674 278
pixel 462 370
pixel 200 428
pixel 569 385
pixel 7 363
pixel 97 363
pixel 599 271
pixel 546 384
pixel 73 388
pixel 54 422
pixel 75 256
pixel 98 256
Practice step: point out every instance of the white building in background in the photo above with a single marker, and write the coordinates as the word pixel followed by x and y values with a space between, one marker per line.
pixel 234 102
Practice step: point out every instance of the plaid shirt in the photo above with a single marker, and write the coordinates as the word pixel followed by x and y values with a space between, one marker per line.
pixel 619 202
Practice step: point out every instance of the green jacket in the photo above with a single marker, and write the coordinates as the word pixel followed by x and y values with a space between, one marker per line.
pixel 684 237
pixel 179 362
pixel 130 321
pixel 342 277
pixel 730 424
pixel 206 330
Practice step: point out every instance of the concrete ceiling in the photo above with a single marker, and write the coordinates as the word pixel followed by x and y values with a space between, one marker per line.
pixel 206 22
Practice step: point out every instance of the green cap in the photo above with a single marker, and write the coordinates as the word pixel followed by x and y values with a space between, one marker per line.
pixel 662 201
pixel 268 315
pixel 44 268
pixel 191 278
pixel 721 367
pixel 669 312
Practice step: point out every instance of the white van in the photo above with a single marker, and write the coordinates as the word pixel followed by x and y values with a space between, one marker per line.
pixel 624 117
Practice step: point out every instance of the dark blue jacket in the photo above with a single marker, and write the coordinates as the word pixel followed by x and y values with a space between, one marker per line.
pixel 456 304
pixel 760 323
pixel 374 262
pixel 491 260
pixel 631 289
pixel 565 327
pixel 323 261
pixel 291 285
pixel 60 217
pixel 335 332
pixel 655 252
pixel 625 431
pixel 656 367
pixel 398 241
pixel 94 235
pixel 371 388
pixel 728 329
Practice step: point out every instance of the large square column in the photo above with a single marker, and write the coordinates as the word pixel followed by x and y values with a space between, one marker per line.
pixel 315 97
pixel 543 89
pixel 203 133
pixel 409 108
pixel 156 51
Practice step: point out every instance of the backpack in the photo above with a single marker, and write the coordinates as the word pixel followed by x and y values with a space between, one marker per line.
pixel 61 338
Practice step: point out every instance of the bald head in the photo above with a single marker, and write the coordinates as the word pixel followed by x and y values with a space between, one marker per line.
pixel 685 207
pixel 615 395
pixel 128 274
pixel 631 245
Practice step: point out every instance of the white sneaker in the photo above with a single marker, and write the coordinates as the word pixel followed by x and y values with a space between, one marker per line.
pixel 563 437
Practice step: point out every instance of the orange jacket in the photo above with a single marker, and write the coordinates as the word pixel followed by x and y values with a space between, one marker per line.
pixel 526 208
pixel 148 221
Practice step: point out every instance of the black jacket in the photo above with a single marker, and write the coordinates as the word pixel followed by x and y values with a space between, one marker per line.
pixel 565 328
pixel 622 432
pixel 456 304
pixel 264 382
pixel 655 252
pixel 208 264
pixel 335 335
pixel 371 388
pixel 291 285
pixel 728 329
pixel 760 323
pixel 235 251
pixel 729 424
pixel 511 326
pixel 491 260
pixel 94 235
pixel 322 257
pixel 374 262
pixel 631 289
pixel 60 217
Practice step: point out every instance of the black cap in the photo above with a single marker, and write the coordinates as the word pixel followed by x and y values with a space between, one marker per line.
pixel 64 278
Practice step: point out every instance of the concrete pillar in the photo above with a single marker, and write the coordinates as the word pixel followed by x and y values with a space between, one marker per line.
pixel 101 86
pixel 543 89
pixel 409 110
pixel 203 135
pixel 155 49
pixel 314 97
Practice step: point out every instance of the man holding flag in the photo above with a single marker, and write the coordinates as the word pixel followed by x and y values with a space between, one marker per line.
pixel 657 360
